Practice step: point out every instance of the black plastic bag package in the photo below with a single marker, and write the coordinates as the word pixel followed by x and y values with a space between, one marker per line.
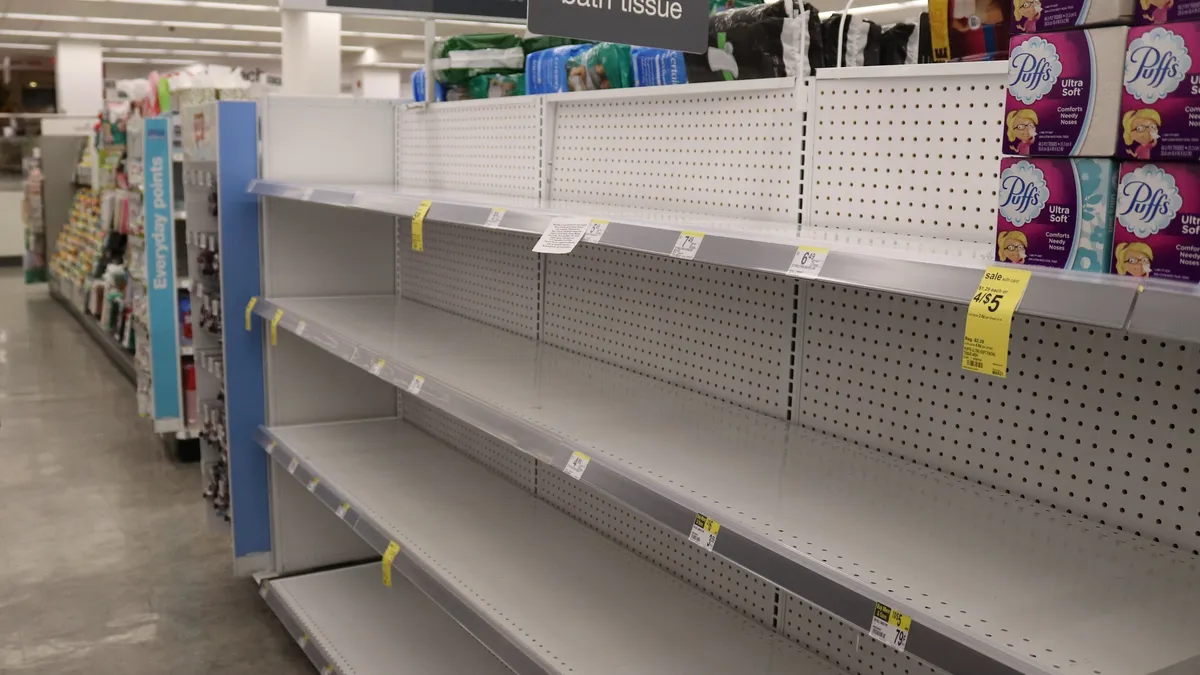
pixel 757 42
pixel 871 49
pixel 893 44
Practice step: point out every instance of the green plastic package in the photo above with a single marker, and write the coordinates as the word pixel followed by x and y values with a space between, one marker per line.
pixel 605 66
pixel 495 85
pixel 718 6
pixel 542 42
pixel 462 57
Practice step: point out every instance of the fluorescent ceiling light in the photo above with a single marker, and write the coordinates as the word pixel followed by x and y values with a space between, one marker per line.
pixel 385 64
pixel 107 37
pixel 121 59
pixel 876 9
pixel 197 3
pixel 194 52
pixel 199 25
pixel 24 45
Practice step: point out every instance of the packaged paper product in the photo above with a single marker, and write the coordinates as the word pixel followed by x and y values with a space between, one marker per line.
pixel 1056 212
pixel 546 71
pixel 1063 94
pixel 653 67
pixel 1158 221
pixel 1036 16
pixel 1158 12
pixel 537 43
pixel 462 57
pixel 496 86
pixel 603 66
pixel 1161 94
pixel 418 87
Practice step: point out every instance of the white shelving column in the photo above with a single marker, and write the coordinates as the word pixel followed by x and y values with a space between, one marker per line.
pixel 823 422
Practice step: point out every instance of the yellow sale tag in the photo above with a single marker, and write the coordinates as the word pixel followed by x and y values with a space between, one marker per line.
pixel 704 531
pixel 890 626
pixel 418 226
pixel 250 310
pixel 275 326
pixel 989 320
pixel 389 556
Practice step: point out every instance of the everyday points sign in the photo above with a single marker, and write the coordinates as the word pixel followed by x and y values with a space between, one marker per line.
pixel 670 24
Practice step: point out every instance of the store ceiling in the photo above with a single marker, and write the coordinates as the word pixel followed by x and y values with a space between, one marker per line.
pixel 172 32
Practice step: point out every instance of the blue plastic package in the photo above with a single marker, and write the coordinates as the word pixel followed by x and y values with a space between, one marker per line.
pixel 671 68
pixel 554 64
pixel 653 67
pixel 418 87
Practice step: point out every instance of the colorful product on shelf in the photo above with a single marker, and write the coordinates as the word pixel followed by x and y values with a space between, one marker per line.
pixel 602 66
pixel 1063 93
pixel 1035 16
pixel 1161 94
pixel 1158 12
pixel 1158 221
pixel 1056 212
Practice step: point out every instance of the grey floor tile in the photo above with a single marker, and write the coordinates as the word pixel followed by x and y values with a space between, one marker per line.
pixel 108 564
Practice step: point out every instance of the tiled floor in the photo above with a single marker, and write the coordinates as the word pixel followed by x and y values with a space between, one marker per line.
pixel 107 562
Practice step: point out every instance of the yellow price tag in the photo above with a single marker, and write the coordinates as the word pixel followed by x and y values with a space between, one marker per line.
pixel 704 531
pixel 250 310
pixel 890 626
pixel 418 226
pixel 275 326
pixel 389 556
pixel 989 320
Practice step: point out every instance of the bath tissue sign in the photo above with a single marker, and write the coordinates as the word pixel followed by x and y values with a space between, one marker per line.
pixel 669 24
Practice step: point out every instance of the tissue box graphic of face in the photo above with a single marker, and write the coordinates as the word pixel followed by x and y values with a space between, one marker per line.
pixel 1158 221
pixel 1056 212
pixel 1063 94
pixel 1161 92
pixel 1157 12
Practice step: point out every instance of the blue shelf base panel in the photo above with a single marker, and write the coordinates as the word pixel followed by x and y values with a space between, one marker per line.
pixel 237 168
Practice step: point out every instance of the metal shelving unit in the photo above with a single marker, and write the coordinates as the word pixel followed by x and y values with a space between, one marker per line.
pixel 542 435
pixel 665 451
pixel 348 623
pixel 541 591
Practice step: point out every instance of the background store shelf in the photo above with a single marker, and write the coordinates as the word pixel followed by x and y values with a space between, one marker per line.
pixel 112 348
pixel 539 589
pixel 1092 299
pixel 995 584
pixel 348 619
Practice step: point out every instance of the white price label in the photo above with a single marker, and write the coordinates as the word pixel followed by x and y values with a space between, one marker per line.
pixel 312 484
pixel 494 218
pixel 292 467
pixel 576 465
pixel 687 245
pixel 890 626
pixel 303 641
pixel 300 328
pixel 562 236
pixel 808 261
pixel 327 670
pixel 376 367
pixel 704 532
pixel 414 387
pixel 342 510
pixel 307 194
pixel 271 447
pixel 595 231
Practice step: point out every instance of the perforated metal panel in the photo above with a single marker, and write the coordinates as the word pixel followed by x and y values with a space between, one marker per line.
pixel 722 332
pixel 488 147
pixel 908 161
pixel 516 466
pixel 1098 423
pixel 844 645
pixel 733 586
pixel 484 275
pixel 734 154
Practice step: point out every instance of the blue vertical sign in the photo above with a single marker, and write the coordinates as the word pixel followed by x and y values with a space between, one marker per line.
pixel 163 301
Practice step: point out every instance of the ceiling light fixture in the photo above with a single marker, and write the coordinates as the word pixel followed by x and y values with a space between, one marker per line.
pixel 245 7
pixel 121 59
pixel 27 46
pixel 198 25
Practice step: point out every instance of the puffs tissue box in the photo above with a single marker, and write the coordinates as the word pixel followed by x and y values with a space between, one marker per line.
pixel 1056 212
pixel 1158 221
pixel 1064 93
pixel 1160 101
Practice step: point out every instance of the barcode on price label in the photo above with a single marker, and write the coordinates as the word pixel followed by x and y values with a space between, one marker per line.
pixel 312 484
pixel 890 626
pixel 376 367
pixel 808 261
pixel 494 218
pixel 342 510
pixel 576 465
pixel 687 245
pixel 595 231
pixel 704 532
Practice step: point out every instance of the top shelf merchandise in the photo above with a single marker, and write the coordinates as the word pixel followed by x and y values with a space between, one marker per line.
pixel 677 384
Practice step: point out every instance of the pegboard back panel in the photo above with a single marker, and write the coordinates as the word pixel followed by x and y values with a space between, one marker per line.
pixel 733 154
pixel 485 275
pixel 744 592
pixel 518 467
pixel 723 332
pixel 908 161
pixel 1098 423
pixel 491 147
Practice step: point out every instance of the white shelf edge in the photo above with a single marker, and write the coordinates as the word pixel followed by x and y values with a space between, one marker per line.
pixel 1100 300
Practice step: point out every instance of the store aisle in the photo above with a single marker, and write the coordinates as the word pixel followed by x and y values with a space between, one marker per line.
pixel 107 564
